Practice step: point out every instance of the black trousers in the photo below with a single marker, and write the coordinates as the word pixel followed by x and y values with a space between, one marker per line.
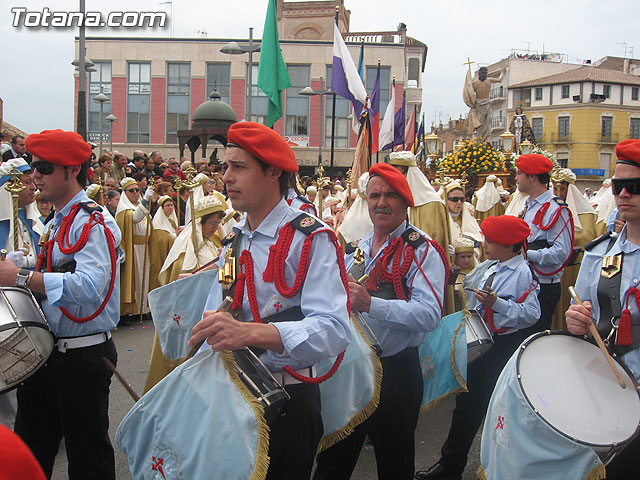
pixel 391 427
pixel 471 406
pixel 295 434
pixel 548 297
pixel 69 397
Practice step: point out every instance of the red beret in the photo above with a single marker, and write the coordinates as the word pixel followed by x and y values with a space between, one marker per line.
pixel 59 147
pixel 263 143
pixel 628 151
pixel 505 229
pixel 17 459
pixel 394 178
pixel 534 164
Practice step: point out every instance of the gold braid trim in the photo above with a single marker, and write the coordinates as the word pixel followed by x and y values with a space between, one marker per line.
pixel 597 473
pixel 365 411
pixel 480 473
pixel 261 464
pixel 454 368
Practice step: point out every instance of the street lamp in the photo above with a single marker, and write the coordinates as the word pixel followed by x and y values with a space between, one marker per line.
pixel 101 98
pixel 232 48
pixel 111 118
pixel 432 140
pixel 310 92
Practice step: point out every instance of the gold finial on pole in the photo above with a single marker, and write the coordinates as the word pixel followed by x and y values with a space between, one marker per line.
pixel 14 186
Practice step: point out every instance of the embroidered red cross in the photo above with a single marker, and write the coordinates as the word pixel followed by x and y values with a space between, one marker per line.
pixel 176 318
pixel 277 306
pixel 157 466
pixel 500 424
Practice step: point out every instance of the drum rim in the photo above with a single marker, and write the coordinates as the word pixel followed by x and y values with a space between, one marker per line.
pixel 547 333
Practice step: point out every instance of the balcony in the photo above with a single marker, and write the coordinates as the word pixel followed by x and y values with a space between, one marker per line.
pixel 611 139
pixel 560 139
pixel 497 123
pixel 498 94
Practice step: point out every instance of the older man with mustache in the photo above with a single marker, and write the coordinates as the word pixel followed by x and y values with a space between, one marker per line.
pixel 401 301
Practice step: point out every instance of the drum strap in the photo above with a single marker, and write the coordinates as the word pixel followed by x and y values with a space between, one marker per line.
pixel 610 307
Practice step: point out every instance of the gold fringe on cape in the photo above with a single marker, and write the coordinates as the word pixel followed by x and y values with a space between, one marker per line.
pixel 365 411
pixel 261 464
pixel 454 368
pixel 597 473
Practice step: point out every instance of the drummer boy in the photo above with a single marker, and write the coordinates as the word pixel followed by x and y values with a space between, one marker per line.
pixel 612 263
pixel 507 300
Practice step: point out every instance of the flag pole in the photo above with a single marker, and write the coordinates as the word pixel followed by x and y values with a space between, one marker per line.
pixel 333 118
pixel 378 149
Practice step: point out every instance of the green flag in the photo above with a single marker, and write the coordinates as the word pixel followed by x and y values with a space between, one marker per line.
pixel 272 71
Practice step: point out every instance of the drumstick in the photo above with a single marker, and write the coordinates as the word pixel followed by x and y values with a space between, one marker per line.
pixel 124 383
pixel 3 254
pixel 204 267
pixel 596 335
pixel 224 307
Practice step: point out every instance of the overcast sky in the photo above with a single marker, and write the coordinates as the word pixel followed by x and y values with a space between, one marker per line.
pixel 36 82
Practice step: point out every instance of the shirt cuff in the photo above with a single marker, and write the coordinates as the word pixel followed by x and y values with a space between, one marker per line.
pixel 501 306
pixel 291 336
pixel 533 255
pixel 53 287
pixel 379 308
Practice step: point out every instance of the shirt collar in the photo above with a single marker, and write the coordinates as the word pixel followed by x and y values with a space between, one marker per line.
pixel 542 198
pixel 625 245
pixel 269 226
pixel 81 196
pixel 396 233
pixel 510 264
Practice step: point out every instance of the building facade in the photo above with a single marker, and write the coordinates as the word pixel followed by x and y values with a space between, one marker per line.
pixel 155 84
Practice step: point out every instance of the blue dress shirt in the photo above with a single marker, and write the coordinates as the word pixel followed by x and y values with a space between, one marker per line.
pixel 83 291
pixel 400 324
pixel 324 331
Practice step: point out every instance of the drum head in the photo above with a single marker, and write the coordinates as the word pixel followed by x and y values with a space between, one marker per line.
pixel 570 385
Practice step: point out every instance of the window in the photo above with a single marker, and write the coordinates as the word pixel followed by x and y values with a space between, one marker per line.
pixel 565 91
pixel 178 89
pixel 385 83
pixel 563 126
pixel 414 70
pixel 219 79
pixel 538 94
pixel 259 101
pixel 634 128
pixel 563 160
pixel 634 93
pixel 607 123
pixel 343 124
pixel 522 97
pixel 100 80
pixel 297 106
pixel 536 125
pixel 138 102
pixel 606 90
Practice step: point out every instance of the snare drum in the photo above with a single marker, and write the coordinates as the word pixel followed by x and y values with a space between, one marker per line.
pixel 261 383
pixel 479 338
pixel 557 405
pixel 26 341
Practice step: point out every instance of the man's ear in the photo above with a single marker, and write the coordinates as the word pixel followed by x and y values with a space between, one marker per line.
pixel 275 173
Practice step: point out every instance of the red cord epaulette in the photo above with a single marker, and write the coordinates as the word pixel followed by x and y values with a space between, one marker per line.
pixel 62 239
pixel 537 221
pixel 275 273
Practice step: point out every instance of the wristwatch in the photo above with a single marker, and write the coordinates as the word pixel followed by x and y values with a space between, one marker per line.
pixel 23 278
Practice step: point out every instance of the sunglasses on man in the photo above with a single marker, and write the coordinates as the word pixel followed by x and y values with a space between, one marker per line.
pixel 456 199
pixel 133 190
pixel 631 185
pixel 43 167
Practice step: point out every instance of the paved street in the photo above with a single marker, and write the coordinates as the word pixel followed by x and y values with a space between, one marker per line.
pixel 134 348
